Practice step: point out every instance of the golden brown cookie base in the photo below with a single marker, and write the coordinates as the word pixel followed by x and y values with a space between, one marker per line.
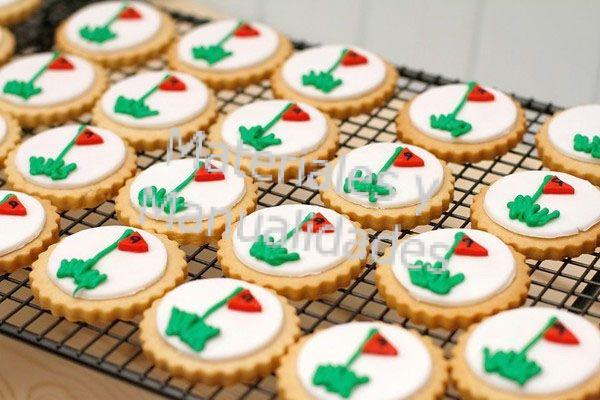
pixel 126 57
pixel 289 386
pixel 154 139
pixel 18 12
pixel 236 78
pixel 296 288
pixel 27 254
pixel 557 161
pixel 61 304
pixel 452 317
pixel 7 44
pixel 31 117
pixel 228 372
pixel 532 247
pixel 325 151
pixel 387 218
pixel 472 387
pixel 191 234
pixel 341 108
pixel 66 199
pixel 12 137
pixel 460 152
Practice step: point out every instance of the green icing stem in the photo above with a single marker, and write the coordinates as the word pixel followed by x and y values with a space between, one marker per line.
pixel 214 53
pixel 255 136
pixel 525 209
pixel 137 108
pixel 103 33
pixel 27 89
pixel 584 144
pixel 324 80
pixel 5 199
pixel 56 169
pixel 448 122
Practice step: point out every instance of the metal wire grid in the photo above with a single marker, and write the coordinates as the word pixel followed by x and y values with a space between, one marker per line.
pixel 573 284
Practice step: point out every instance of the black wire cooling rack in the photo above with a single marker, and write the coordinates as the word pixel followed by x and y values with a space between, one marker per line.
pixel 573 284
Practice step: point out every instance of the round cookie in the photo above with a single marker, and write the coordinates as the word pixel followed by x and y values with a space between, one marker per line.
pixel 382 185
pixel 29 226
pixel 339 80
pixel 10 135
pixel 275 140
pixel 570 142
pixel 542 214
pixel 102 274
pixel 213 195
pixel 194 331
pixel 49 88
pixel 73 166
pixel 230 53
pixel 7 44
pixel 15 11
pixel 116 33
pixel 462 122
pixel 553 354
pixel 363 360
pixel 300 251
pixel 145 108
pixel 452 278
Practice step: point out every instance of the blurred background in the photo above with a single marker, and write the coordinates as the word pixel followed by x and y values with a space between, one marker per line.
pixel 547 49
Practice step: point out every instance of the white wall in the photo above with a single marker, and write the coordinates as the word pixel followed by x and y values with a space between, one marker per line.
pixel 547 49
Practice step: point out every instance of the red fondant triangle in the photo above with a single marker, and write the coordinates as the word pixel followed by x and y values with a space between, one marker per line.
pixel 557 186
pixel 204 174
pixel 61 64
pixel 295 114
pixel 380 346
pixel 246 30
pixel 352 58
pixel 318 224
pixel 558 333
pixel 244 301
pixel 134 243
pixel 469 247
pixel 480 94
pixel 130 13
pixel 88 137
pixel 11 205
pixel 172 84
pixel 407 158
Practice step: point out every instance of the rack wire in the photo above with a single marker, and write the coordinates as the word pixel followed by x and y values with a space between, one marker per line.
pixel 572 284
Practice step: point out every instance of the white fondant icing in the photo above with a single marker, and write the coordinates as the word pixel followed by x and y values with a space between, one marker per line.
pixel 3 129
pixel 297 137
pixel 94 162
pixel 242 333
pixel 18 231
pixel 214 198
pixel 371 158
pixel 578 212
pixel 357 80
pixel 247 51
pixel 127 272
pixel 584 120
pixel 174 107
pixel 318 252
pixel 563 366
pixel 391 377
pixel 485 277
pixel 129 32
pixel 489 120
pixel 58 86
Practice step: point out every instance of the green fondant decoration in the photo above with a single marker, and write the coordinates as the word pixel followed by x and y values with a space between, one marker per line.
pixel 584 144
pixel 214 53
pixel 255 135
pixel 27 89
pixel 82 271
pixel 192 328
pixel 272 252
pixel 435 278
pixel 362 184
pixel 340 379
pixel 515 365
pixel 56 169
pixel 137 108
pixel 324 80
pixel 525 209
pixel 449 122
pixel 103 33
